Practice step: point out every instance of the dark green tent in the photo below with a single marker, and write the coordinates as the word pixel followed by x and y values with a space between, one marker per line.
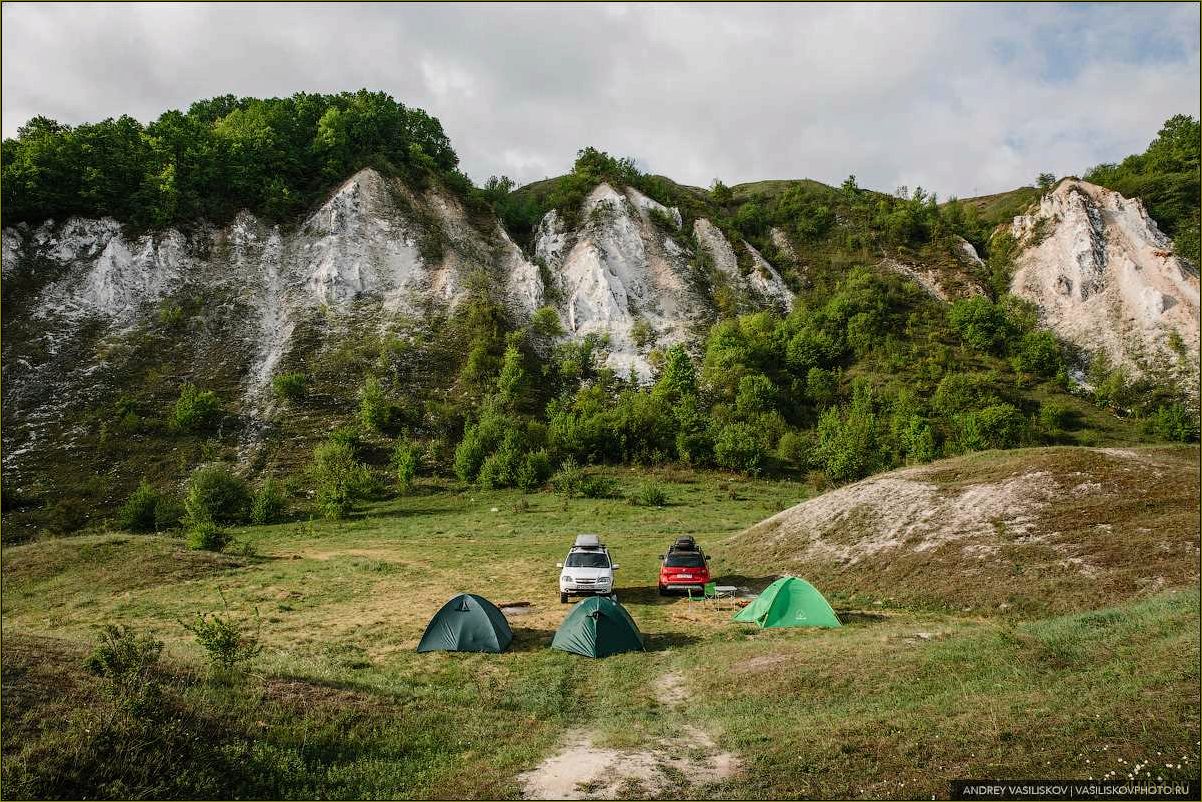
pixel 467 623
pixel 789 602
pixel 598 627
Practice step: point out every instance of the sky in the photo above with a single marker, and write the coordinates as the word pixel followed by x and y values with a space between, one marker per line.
pixel 959 99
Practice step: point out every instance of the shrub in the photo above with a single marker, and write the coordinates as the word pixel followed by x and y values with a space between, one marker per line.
pixel 738 448
pixel 137 514
pixel 650 494
pixel 195 410
pixel 1172 422
pixel 338 478
pixel 534 470
pixel 995 426
pixel 820 386
pixel 268 503
pixel 217 495
pixel 168 513
pixel 545 321
pixel 227 642
pixel 598 487
pixel 1056 417
pixel 500 468
pixel 847 444
pixel 479 440
pixel 960 392
pixel 1039 354
pixel 569 479
pixel 207 536
pixel 756 394
pixel 376 409
pixel 123 655
pixel 68 515
pixel 794 448
pixel 406 459
pixel 290 387
pixel 129 661
pixel 981 323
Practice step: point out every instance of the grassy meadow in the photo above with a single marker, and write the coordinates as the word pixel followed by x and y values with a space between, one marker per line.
pixel 339 705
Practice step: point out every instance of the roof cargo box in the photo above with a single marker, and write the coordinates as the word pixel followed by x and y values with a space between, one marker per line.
pixel 588 542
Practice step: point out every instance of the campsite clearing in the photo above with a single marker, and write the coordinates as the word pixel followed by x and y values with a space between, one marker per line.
pixel 893 703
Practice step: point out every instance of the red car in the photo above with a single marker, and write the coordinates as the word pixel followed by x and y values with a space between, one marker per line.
pixel 683 567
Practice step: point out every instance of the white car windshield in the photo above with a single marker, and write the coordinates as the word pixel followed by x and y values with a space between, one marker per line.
pixel 587 559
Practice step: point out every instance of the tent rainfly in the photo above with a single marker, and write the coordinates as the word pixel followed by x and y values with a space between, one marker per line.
pixel 467 623
pixel 598 627
pixel 789 602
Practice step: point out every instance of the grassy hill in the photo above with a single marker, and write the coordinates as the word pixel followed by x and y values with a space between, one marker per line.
pixel 1044 531
pixel 339 704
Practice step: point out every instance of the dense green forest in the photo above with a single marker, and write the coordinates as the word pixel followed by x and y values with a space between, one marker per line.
pixel 275 157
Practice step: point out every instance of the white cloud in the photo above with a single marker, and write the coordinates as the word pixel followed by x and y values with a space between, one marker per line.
pixel 959 99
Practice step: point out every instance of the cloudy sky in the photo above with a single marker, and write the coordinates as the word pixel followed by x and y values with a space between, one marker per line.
pixel 961 99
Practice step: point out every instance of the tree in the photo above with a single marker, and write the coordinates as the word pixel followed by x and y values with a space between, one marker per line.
pixel 722 194
pixel 1045 181
pixel 678 377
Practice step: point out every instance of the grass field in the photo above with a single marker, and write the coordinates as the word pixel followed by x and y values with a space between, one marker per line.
pixel 895 703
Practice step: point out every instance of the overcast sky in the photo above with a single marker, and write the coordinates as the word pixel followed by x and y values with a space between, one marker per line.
pixel 961 99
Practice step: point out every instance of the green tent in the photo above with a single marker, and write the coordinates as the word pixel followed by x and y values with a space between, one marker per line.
pixel 467 623
pixel 789 602
pixel 598 627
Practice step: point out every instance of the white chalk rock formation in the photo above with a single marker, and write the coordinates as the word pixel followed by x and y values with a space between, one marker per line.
pixel 1106 278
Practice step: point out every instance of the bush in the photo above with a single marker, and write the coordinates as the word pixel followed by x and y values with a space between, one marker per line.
pixel 290 387
pixel 650 494
pixel 268 503
pixel 794 448
pixel 569 479
pixel 847 444
pixel 960 392
pixel 738 448
pixel 137 514
pixel 982 324
pixel 376 409
pixel 168 513
pixel 129 661
pixel 338 477
pixel 598 487
pixel 227 642
pixel 1039 354
pixel 1056 417
pixel 68 515
pixel 1172 422
pixel 195 410
pixel 217 495
pixel 208 536
pixel 406 459
pixel 995 426
pixel 123 656
pixel 534 470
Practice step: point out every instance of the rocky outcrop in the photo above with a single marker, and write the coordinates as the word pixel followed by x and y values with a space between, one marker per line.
pixel 762 282
pixel 1106 279
pixel 619 275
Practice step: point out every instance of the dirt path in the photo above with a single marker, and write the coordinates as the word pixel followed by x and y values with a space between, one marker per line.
pixel 664 767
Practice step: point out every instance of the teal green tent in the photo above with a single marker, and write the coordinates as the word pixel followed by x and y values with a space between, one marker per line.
pixel 789 602
pixel 598 627
pixel 467 623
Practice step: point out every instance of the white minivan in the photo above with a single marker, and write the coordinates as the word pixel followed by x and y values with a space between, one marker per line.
pixel 587 570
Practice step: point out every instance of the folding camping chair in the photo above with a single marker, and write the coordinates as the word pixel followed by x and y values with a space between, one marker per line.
pixel 713 594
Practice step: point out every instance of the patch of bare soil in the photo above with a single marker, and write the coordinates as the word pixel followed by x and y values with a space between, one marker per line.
pixel 676 767
pixel 670 689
